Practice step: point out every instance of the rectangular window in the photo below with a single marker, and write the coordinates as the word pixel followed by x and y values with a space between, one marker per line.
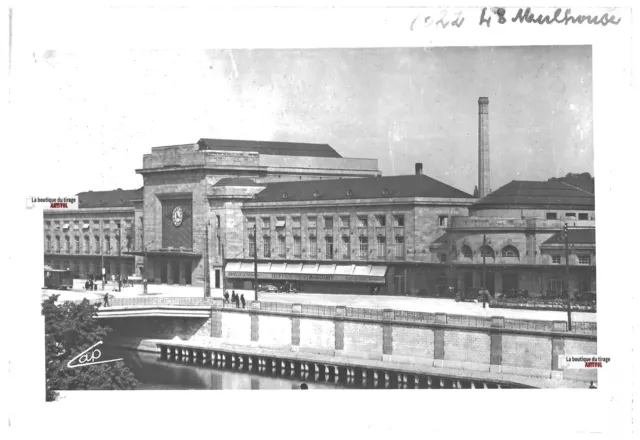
pixel 297 247
pixel 313 247
pixel 345 222
pixel 381 221
pixel 219 245
pixel 346 248
pixel 584 259
pixel 570 214
pixel 363 222
pixel 87 245
pixel 552 216
pixel 267 247
pixel 77 245
pixel 266 223
pixel 282 248
pixel 584 283
pixel 97 248
pixel 328 222
pixel 67 245
pixel 398 221
pixel 555 287
pixel 296 222
pixel 107 244
pixel 218 223
pixel 57 244
pixel 251 223
pixel 443 221
pixel 47 224
pixel 555 259
pixel 363 250
pixel 328 247
pixel 399 247
pixel 583 216
pixel 281 223
pixel 311 222
pixel 442 258
pixel 382 246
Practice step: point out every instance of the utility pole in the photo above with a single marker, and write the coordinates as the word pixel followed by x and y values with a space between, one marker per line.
pixel 566 258
pixel 224 278
pixel 484 271
pixel 119 244
pixel 206 261
pixel 102 258
pixel 255 261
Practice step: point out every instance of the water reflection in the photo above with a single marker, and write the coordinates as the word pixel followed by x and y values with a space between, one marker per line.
pixel 156 374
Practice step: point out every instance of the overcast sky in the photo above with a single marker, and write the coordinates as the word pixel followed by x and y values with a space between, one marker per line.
pixel 399 106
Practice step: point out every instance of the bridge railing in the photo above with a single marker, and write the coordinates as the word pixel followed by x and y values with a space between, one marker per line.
pixel 577 327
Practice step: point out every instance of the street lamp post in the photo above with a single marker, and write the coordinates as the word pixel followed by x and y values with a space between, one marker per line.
pixel 566 257
pixel 484 270
pixel 255 261
pixel 146 262
pixel 207 268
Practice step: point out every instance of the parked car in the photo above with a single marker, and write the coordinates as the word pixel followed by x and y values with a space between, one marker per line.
pixel 473 295
pixel 586 296
pixel 515 294
pixel 267 288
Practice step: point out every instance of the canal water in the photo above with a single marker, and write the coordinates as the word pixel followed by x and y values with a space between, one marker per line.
pixel 157 374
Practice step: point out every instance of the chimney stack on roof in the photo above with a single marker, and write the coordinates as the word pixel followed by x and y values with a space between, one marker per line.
pixel 483 147
pixel 418 169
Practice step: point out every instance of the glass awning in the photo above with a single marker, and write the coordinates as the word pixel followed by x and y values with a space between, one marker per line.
pixel 352 273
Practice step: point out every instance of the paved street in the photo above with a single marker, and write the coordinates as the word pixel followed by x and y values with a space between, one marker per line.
pixel 363 301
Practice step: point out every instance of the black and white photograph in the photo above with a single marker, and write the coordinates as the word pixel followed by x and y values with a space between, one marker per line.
pixel 388 218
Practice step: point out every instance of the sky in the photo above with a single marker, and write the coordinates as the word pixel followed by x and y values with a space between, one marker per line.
pixel 397 105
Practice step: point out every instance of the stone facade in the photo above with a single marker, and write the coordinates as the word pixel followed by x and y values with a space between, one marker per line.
pixel 92 238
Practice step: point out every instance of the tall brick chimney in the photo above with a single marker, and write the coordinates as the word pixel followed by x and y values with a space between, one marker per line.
pixel 484 170
pixel 418 169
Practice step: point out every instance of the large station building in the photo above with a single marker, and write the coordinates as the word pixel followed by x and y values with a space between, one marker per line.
pixel 328 223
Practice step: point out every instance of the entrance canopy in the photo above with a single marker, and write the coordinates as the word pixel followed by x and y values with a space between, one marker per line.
pixel 351 273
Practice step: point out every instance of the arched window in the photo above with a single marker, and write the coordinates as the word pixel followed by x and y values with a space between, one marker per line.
pixel 487 251
pixel 510 251
pixel 467 252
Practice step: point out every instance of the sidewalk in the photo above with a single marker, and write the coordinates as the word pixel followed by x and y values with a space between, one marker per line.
pixel 412 304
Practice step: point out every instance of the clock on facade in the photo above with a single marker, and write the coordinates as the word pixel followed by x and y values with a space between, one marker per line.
pixel 177 216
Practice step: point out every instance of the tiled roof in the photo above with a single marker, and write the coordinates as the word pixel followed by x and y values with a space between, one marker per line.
pixel 118 198
pixel 236 181
pixel 543 195
pixel 272 148
pixel 576 236
pixel 359 188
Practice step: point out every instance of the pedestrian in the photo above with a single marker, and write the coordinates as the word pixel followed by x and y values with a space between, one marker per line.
pixel 106 299
pixel 233 296
pixel 237 301
pixel 225 297
pixel 244 303
pixel 119 284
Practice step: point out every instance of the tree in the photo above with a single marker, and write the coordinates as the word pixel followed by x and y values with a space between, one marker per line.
pixel 583 181
pixel 70 329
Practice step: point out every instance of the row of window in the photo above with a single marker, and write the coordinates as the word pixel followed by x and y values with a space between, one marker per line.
pixel 312 221
pixel 90 267
pixel 65 225
pixel 582 259
pixel 556 286
pixel 488 252
pixel 510 251
pixel 344 251
pixel 55 246
pixel 569 215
